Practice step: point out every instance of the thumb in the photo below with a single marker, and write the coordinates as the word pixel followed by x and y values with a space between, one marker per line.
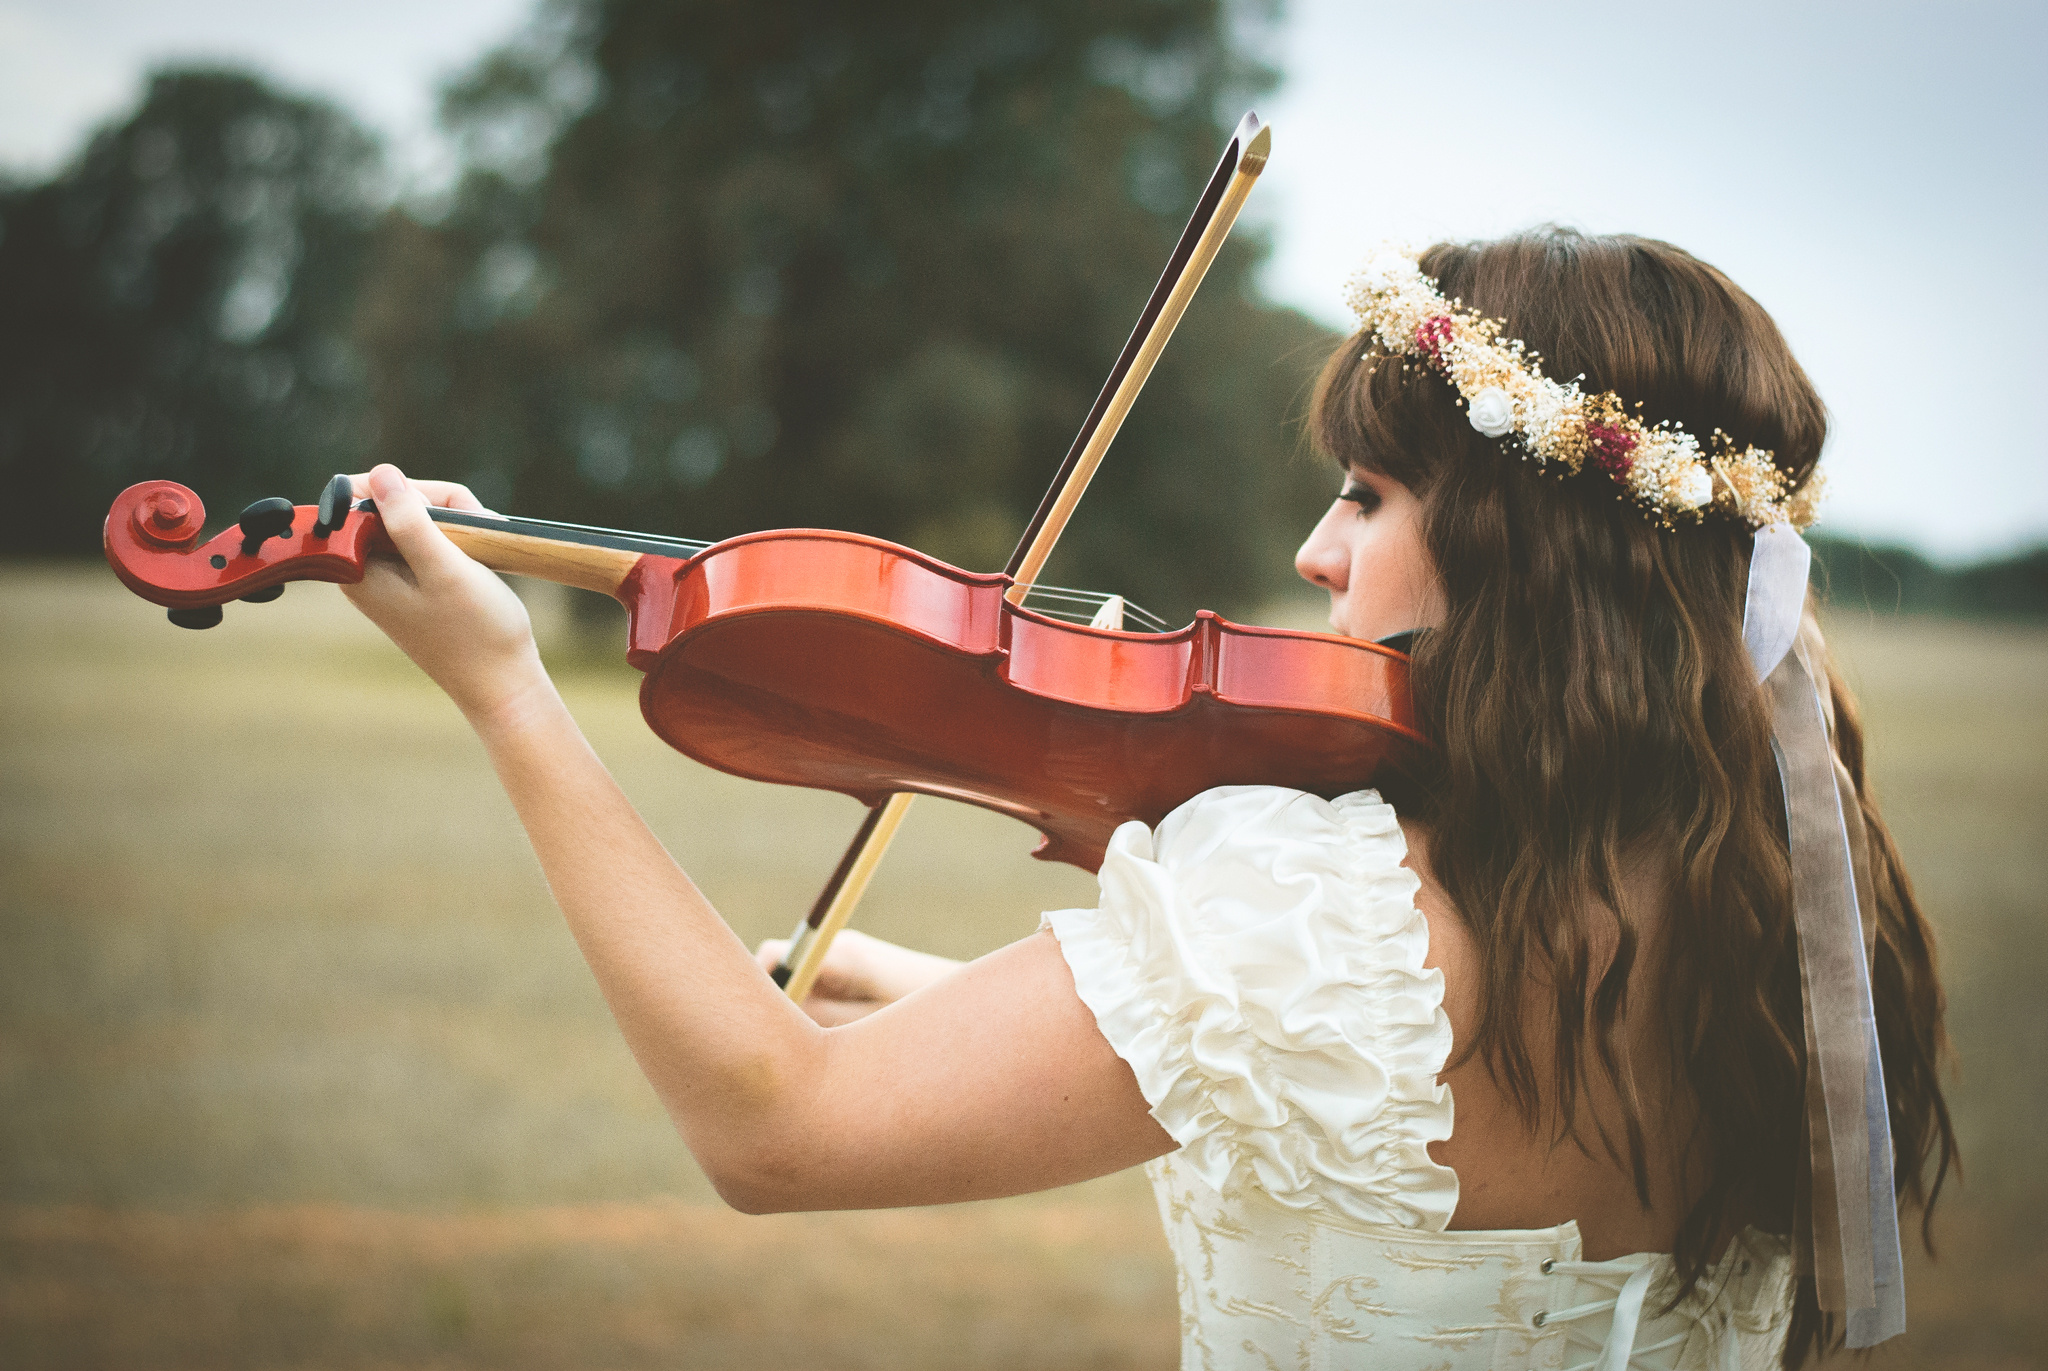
pixel 425 548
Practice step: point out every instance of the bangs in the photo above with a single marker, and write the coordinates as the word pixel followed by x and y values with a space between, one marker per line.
pixel 1385 414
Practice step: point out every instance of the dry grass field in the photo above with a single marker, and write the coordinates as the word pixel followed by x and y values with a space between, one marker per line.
pixel 298 1068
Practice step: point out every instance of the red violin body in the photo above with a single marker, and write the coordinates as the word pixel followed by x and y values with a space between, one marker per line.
pixel 847 663
pixel 842 662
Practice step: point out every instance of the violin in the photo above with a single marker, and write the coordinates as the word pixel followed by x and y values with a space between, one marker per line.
pixel 837 661
pixel 842 662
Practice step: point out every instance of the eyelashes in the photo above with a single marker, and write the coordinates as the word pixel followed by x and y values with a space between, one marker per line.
pixel 1362 496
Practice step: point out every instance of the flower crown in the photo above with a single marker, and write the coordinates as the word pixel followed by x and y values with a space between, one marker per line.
pixel 1661 467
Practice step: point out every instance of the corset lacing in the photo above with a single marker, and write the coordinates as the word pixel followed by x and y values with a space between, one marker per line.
pixel 1619 1352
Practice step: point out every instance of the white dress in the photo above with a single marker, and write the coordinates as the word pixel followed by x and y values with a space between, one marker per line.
pixel 1259 964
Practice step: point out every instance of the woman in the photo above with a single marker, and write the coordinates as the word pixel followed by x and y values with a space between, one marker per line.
pixel 1580 926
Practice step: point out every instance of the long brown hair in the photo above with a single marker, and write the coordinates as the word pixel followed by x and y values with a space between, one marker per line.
pixel 1595 707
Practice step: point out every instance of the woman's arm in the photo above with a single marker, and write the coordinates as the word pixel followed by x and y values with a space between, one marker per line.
pixel 991 1081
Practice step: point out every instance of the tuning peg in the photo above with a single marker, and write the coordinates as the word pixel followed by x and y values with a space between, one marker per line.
pixel 206 616
pixel 270 518
pixel 265 595
pixel 334 506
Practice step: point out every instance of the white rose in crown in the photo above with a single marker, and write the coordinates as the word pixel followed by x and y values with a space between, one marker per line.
pixel 1695 487
pixel 1492 411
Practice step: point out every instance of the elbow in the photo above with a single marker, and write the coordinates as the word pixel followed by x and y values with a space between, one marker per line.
pixel 755 1136
pixel 769 1166
pixel 758 1184
pixel 749 1198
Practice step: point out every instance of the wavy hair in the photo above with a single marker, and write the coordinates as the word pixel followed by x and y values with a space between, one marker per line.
pixel 1595 708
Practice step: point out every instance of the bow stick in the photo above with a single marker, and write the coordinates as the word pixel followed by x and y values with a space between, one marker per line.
pixel 1215 213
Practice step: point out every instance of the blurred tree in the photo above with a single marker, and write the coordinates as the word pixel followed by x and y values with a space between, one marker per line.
pixel 719 267
pixel 1869 578
pixel 176 303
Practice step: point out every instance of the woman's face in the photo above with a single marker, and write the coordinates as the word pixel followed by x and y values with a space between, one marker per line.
pixel 1367 552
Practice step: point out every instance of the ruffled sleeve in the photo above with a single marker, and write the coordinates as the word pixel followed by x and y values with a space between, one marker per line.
pixel 1258 963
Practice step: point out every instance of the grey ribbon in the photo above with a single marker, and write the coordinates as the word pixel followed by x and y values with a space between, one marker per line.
pixel 1854 1236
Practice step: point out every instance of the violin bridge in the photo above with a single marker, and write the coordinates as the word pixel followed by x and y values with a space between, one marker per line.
pixel 1110 615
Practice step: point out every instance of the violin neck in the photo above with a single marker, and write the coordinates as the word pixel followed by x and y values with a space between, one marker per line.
pixel 568 554
pixel 601 569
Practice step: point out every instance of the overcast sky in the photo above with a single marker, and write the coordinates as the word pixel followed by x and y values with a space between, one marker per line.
pixel 1872 172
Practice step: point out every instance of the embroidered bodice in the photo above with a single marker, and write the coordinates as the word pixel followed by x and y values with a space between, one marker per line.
pixel 1259 964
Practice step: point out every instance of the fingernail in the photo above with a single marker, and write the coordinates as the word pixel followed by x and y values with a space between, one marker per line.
pixel 385 481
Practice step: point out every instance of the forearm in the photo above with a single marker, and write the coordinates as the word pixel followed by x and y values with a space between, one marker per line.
pixel 992 1081
pixel 904 969
pixel 726 1053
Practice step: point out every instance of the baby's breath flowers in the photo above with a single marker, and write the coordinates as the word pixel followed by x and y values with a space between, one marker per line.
pixel 1661 467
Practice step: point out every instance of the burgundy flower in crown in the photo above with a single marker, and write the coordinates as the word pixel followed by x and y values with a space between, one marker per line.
pixel 1663 470
pixel 1608 448
pixel 1431 335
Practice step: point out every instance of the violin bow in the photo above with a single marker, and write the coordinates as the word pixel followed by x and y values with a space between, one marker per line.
pixel 1215 213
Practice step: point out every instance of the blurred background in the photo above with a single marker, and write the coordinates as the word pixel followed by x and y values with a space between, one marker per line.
pixel 297 1067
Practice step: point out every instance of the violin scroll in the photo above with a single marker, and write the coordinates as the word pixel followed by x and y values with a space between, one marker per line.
pixel 164 514
pixel 152 541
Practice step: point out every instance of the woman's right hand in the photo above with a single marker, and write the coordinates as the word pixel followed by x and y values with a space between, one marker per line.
pixel 860 975
pixel 460 622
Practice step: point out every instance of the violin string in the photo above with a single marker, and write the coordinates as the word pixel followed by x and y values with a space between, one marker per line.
pixel 1145 619
pixel 1135 615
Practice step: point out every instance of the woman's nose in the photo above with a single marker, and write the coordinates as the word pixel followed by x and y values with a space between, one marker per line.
pixel 1321 560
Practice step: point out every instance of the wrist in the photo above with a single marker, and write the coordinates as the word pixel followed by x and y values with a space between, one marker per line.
pixel 526 696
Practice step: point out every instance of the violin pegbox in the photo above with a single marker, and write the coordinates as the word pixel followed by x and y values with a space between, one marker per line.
pixel 152 540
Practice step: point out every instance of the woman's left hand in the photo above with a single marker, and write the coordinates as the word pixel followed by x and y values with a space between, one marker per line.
pixel 861 973
pixel 461 624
